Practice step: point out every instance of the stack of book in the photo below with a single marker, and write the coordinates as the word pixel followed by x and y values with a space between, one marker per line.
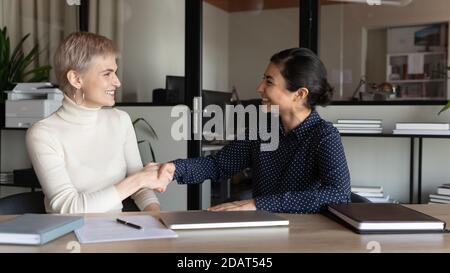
pixel 359 126
pixel 373 193
pixel 422 128
pixel 442 196
pixel 6 178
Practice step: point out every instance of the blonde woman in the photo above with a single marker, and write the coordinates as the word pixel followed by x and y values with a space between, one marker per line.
pixel 86 156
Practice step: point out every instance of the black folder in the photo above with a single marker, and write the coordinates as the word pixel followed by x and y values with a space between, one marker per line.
pixel 375 218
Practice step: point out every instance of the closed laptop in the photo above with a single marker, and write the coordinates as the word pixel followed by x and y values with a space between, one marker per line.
pixel 37 229
pixel 221 219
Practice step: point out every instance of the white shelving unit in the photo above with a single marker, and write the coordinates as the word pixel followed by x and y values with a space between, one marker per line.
pixel 428 79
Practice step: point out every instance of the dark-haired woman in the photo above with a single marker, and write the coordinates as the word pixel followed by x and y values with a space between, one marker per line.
pixel 308 170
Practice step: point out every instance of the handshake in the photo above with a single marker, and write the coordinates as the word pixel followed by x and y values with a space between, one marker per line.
pixel 159 175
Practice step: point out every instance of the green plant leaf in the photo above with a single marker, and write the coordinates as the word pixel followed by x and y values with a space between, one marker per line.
pixel 445 108
pixel 18 66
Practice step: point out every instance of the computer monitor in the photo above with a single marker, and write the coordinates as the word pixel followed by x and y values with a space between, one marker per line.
pixel 175 89
pixel 218 98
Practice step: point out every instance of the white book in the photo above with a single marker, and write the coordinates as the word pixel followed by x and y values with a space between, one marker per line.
pixel 360 131
pixel 367 121
pixel 353 125
pixel 367 188
pixel 422 126
pixel 444 191
pixel 369 194
pixel 440 201
pixel 384 199
pixel 421 132
pixel 440 196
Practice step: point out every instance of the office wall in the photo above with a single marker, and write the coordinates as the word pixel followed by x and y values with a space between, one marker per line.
pixel 154 41
pixel 355 19
pixel 215 48
pixel 385 161
pixel 153 46
pixel 331 33
pixel 254 38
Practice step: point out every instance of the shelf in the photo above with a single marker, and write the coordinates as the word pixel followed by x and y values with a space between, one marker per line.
pixel 423 53
pixel 12 129
pixel 19 186
pixel 394 135
pixel 418 81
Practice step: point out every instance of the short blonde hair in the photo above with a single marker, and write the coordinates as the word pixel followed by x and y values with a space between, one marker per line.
pixel 76 52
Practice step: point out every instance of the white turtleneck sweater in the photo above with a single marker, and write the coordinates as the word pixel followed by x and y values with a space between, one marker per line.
pixel 80 153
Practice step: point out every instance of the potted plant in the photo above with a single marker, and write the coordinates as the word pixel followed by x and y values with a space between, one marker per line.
pixel 16 67
pixel 447 106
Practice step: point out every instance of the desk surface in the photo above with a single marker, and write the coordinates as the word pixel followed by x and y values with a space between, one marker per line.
pixel 306 233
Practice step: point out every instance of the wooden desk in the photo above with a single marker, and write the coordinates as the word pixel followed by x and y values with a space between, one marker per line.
pixel 306 233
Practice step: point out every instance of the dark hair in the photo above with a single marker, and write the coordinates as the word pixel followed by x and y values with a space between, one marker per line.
pixel 300 67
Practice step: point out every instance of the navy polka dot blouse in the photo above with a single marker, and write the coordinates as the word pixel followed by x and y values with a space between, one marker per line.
pixel 306 172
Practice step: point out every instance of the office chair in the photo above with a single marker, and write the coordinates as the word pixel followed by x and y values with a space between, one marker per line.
pixel 129 205
pixel 358 198
pixel 27 202
pixel 33 202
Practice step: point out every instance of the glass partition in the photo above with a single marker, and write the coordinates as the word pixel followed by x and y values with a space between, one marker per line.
pixel 150 35
pixel 386 50
pixel 239 37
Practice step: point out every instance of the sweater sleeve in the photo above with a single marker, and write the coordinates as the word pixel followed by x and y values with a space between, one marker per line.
pixel 232 159
pixel 144 196
pixel 47 157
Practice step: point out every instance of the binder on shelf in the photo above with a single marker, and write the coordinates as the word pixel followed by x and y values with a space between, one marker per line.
pixel 371 218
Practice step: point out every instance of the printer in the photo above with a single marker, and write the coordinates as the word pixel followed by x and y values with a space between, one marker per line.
pixel 28 103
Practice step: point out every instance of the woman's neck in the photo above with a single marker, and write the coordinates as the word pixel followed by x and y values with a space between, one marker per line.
pixel 292 119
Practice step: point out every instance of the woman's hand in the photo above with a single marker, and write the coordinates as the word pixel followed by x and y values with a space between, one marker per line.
pixel 164 172
pixel 249 204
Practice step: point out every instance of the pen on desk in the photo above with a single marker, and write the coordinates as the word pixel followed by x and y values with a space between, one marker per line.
pixel 128 224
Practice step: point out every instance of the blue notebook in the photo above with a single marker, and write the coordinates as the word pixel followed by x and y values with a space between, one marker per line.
pixel 37 229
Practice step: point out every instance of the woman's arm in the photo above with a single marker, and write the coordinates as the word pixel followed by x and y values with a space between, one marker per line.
pixel 47 157
pixel 333 176
pixel 144 196
pixel 232 159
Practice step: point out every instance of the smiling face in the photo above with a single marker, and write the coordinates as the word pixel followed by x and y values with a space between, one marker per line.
pixel 274 92
pixel 99 82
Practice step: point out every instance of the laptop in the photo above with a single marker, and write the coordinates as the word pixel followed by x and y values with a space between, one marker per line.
pixel 221 219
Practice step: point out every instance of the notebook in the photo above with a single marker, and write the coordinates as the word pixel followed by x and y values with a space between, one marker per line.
pixel 366 218
pixel 221 219
pixel 37 229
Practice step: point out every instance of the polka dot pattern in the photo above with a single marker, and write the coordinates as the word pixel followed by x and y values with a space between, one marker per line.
pixel 306 172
